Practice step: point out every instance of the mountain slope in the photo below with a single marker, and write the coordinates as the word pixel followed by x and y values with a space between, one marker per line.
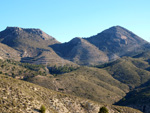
pixel 27 41
pixel 91 83
pixel 32 44
pixel 20 96
pixel 118 41
pixel 7 52
pixel 81 52
pixel 21 70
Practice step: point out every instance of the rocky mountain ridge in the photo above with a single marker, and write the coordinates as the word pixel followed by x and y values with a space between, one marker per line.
pixel 108 45
pixel 32 45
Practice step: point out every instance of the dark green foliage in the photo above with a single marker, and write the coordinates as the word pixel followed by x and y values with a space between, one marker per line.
pixel 23 70
pixel 31 66
pixel 103 110
pixel 61 69
pixel 42 109
pixel 106 64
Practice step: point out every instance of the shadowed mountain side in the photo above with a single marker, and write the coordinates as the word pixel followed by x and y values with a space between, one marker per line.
pixel 91 83
pixel 139 98
pixel 49 58
pixel 145 55
pixel 7 52
pixel 118 41
pixel 81 52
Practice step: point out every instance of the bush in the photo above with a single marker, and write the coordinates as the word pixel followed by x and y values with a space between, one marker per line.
pixel 103 110
pixel 42 109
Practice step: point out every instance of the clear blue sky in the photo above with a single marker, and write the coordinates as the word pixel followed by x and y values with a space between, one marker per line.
pixel 66 19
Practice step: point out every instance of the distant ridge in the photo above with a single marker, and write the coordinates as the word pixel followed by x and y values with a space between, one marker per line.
pixel 35 46
pixel 108 45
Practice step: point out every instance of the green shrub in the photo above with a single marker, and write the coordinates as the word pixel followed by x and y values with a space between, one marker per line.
pixel 42 109
pixel 103 110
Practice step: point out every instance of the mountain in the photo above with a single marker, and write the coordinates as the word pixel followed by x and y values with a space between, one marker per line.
pixel 81 52
pixel 19 96
pixel 32 44
pixel 118 41
pixel 108 45
pixel 7 52
pixel 29 42
pixel 35 46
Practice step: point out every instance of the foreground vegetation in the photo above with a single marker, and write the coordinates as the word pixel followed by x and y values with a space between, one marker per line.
pixel 19 96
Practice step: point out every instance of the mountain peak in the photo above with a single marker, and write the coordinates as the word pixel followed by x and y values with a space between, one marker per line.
pixel 118 41
pixel 120 33
pixel 116 29
pixel 14 28
pixel 76 40
pixel 33 31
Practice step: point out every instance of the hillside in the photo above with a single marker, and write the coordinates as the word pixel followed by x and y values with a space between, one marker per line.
pixel 21 70
pixel 86 82
pixel 81 52
pixel 130 71
pixel 92 83
pixel 138 98
pixel 20 96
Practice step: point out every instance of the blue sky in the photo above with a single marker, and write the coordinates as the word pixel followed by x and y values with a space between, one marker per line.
pixel 66 19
